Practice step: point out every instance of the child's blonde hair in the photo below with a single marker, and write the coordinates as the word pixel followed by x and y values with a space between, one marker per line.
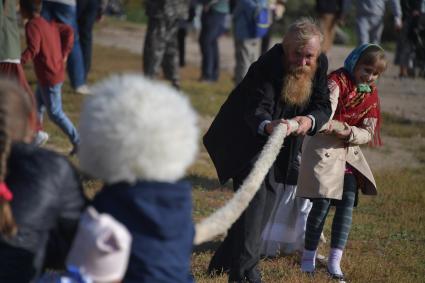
pixel 373 55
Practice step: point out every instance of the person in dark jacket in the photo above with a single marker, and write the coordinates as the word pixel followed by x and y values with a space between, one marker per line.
pixel 287 82
pixel 41 196
pixel 142 172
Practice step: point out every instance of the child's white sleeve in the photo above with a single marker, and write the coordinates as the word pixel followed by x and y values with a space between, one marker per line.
pixel 364 134
pixel 333 96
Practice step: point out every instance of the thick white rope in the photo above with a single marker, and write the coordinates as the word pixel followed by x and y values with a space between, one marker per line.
pixel 221 220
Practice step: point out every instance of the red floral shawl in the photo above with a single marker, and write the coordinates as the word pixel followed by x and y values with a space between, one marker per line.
pixel 353 107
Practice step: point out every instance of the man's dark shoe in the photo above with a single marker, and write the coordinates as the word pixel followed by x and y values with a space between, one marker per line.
pixel 236 277
pixel 253 275
pixel 219 264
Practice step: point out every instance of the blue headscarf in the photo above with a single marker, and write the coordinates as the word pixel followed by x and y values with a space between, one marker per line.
pixel 351 61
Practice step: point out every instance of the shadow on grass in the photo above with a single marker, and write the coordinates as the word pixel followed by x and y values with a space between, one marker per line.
pixel 206 183
pixel 207 247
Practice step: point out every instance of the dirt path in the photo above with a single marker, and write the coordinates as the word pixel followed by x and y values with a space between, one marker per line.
pixel 404 98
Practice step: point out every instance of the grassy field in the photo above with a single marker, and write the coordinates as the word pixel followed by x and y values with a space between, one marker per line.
pixel 387 242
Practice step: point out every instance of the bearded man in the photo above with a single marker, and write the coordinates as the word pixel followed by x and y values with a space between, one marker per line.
pixel 287 82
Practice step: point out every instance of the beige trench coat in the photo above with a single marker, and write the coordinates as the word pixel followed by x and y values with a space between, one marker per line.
pixel 322 168
pixel 324 157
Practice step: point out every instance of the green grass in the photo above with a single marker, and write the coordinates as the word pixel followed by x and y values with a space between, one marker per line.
pixel 135 11
pixel 395 126
pixel 387 242
pixel 205 97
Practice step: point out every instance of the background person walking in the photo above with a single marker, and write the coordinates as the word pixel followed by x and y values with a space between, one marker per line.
pixel 48 45
pixel 88 12
pixel 65 11
pixel 161 45
pixel 369 19
pixel 212 26
pixel 246 38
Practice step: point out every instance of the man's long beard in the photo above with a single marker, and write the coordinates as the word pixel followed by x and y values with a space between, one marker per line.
pixel 297 86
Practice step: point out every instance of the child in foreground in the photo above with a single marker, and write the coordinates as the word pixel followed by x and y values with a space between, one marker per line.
pixel 333 167
pixel 142 172
pixel 41 196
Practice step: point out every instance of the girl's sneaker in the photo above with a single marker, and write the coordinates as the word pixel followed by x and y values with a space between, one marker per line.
pixel 83 89
pixel 41 137
pixel 337 277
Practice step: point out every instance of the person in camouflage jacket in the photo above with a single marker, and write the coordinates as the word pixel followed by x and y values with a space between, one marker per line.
pixel 160 47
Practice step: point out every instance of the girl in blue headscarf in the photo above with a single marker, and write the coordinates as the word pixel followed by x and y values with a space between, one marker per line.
pixel 333 167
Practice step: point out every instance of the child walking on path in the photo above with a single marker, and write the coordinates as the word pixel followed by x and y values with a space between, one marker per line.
pixel 333 167
pixel 48 45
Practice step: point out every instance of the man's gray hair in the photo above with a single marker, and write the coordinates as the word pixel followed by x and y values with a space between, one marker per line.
pixel 302 30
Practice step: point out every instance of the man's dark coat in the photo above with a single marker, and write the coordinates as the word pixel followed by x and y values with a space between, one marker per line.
pixel 233 141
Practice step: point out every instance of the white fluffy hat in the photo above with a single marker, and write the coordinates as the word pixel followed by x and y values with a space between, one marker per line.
pixel 133 128
pixel 101 248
